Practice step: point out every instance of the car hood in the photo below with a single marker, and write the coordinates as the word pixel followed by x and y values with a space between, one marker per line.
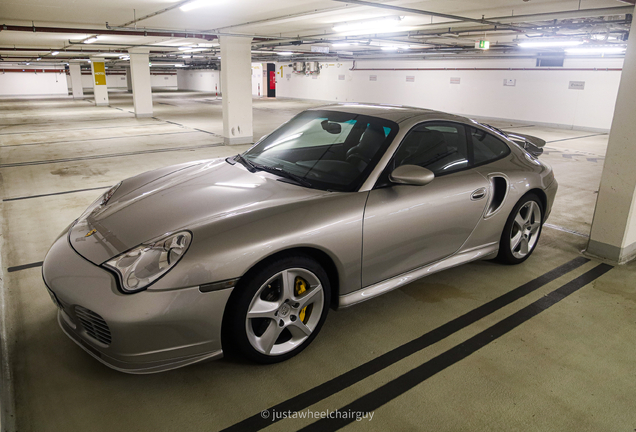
pixel 175 199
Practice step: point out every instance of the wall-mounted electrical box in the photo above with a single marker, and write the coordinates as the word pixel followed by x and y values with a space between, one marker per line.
pixel 312 68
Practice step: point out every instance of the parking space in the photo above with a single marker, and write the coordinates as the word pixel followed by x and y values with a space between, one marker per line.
pixel 560 364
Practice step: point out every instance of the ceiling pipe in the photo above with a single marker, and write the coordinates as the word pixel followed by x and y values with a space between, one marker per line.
pixel 428 13
pixel 110 31
pixel 284 17
pixel 159 12
pixel 583 13
pixel 206 35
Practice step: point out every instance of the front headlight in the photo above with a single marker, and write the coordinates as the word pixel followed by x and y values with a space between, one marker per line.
pixel 141 266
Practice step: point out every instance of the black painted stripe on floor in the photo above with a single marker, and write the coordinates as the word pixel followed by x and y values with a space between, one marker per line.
pixel 51 161
pixel 24 267
pixel 414 377
pixel 339 383
pixel 76 129
pixel 575 138
pixel 567 230
pixel 55 193
pixel 57 122
pixel 95 139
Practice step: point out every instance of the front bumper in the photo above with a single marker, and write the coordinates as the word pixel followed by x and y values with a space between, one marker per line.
pixel 150 331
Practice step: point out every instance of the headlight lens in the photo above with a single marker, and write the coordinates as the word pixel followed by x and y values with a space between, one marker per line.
pixel 141 266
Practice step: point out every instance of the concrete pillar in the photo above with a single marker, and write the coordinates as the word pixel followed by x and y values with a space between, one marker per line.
pixel 128 79
pixel 75 70
pixel 236 87
pixel 100 90
pixel 140 77
pixel 613 234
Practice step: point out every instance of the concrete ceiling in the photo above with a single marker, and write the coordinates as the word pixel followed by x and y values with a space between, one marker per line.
pixel 420 26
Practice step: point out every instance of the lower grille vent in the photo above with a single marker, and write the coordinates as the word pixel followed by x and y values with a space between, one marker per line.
pixel 94 324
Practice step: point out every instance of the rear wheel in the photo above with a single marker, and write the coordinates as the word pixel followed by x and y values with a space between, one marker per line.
pixel 279 310
pixel 521 233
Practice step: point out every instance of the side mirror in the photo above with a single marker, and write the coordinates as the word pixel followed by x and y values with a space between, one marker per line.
pixel 331 127
pixel 412 175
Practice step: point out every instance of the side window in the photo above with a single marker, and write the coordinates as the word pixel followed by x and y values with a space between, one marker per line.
pixel 487 147
pixel 439 146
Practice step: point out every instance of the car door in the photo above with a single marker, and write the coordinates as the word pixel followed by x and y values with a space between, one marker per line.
pixel 406 227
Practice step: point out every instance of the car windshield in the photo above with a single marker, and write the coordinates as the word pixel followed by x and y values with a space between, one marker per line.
pixel 326 150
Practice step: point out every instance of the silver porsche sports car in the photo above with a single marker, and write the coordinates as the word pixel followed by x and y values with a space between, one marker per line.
pixel 247 254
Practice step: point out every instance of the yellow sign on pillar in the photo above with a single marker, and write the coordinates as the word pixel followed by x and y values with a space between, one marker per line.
pixel 99 71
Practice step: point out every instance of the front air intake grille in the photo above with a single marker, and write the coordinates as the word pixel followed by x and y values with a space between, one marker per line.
pixel 93 324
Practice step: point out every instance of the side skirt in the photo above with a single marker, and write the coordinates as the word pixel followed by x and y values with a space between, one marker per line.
pixel 478 253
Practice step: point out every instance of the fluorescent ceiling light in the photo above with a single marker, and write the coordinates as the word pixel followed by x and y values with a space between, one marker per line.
pixel 373 26
pixel 595 50
pixel 393 48
pixel 550 44
pixel 90 39
pixel 285 53
pixel 55 53
pixel 336 45
pixel 194 4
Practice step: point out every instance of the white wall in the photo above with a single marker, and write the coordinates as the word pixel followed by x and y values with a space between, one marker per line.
pixel 257 80
pixel 199 80
pixel 119 81
pixel 30 83
pixel 540 95
pixel 162 81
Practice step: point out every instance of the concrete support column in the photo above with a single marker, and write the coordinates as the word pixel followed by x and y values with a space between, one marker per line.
pixel 128 79
pixel 100 90
pixel 236 87
pixel 75 70
pixel 140 77
pixel 613 233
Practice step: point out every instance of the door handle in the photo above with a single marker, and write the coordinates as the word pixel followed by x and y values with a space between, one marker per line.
pixel 478 194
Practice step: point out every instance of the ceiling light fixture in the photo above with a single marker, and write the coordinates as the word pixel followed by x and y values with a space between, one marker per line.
pixel 285 53
pixel 55 53
pixel 595 50
pixel 194 4
pixel 374 26
pixel 90 39
pixel 550 44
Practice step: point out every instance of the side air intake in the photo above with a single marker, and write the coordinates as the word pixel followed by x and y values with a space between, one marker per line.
pixel 500 190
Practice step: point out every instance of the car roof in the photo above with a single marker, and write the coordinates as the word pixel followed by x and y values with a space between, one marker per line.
pixel 396 113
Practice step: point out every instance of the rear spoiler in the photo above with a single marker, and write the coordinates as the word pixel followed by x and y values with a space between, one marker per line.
pixel 529 143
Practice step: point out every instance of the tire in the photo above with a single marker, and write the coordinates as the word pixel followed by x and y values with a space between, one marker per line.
pixel 278 309
pixel 522 230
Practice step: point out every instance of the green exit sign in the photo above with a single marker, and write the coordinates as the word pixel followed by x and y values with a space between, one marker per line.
pixel 482 44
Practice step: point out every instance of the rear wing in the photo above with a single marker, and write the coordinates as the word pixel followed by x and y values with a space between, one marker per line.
pixel 529 143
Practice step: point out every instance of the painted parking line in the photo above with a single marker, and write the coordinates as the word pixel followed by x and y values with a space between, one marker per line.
pixel 77 129
pixel 163 150
pixel 341 382
pixel 54 193
pixel 414 377
pixel 577 138
pixel 94 139
pixel 25 267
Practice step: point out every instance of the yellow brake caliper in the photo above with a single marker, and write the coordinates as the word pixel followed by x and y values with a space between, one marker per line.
pixel 300 286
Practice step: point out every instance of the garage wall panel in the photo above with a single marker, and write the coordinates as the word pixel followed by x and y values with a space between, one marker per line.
pixel 29 83
pixel 199 80
pixel 541 96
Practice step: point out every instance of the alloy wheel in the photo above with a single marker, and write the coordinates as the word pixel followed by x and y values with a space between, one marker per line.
pixel 285 311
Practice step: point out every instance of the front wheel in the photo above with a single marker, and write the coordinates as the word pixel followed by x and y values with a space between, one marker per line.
pixel 522 230
pixel 279 310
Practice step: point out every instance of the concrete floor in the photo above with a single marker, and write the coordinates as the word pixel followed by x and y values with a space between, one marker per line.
pixel 569 368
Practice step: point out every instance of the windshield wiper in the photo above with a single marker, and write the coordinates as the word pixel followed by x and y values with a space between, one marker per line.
pixel 281 172
pixel 246 163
